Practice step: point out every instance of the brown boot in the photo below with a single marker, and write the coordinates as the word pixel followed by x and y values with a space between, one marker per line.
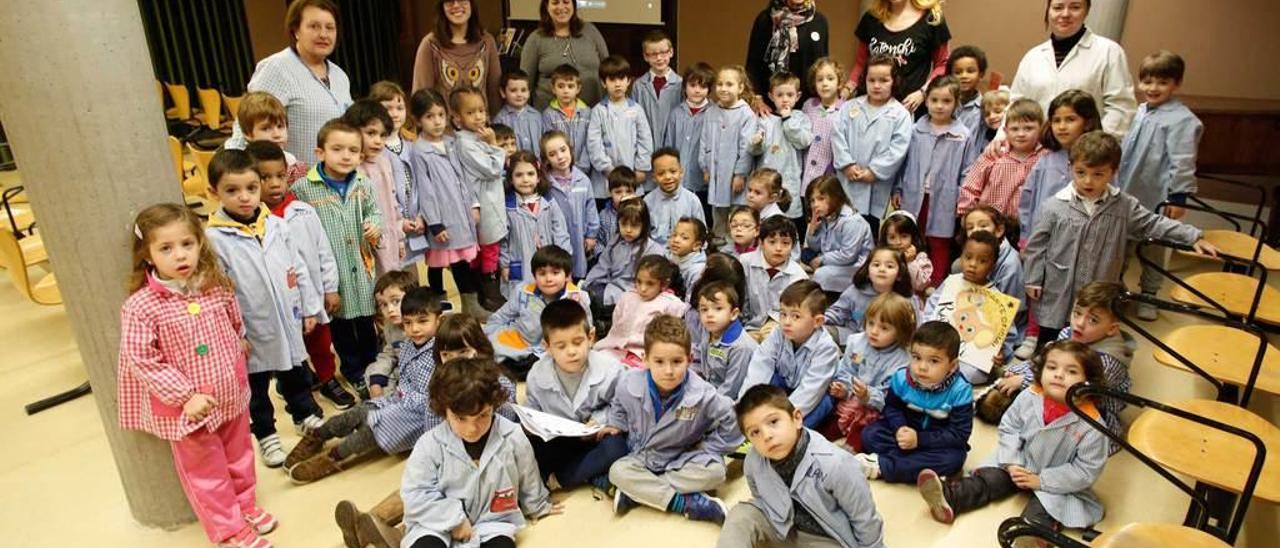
pixel 390 509
pixel 346 514
pixel 310 445
pixel 491 292
pixel 374 531
pixel 314 468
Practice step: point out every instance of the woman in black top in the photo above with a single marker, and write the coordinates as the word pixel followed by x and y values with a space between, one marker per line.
pixel 911 31
pixel 789 35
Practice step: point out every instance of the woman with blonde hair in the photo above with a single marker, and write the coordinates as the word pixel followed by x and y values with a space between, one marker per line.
pixel 914 33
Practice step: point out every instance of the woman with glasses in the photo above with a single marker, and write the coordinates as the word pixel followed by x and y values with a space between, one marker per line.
pixel 459 52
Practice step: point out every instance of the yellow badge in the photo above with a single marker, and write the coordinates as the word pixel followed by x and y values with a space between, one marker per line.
pixel 193 309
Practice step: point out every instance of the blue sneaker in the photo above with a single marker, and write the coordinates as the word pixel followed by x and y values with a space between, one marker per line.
pixel 603 484
pixel 622 503
pixel 703 507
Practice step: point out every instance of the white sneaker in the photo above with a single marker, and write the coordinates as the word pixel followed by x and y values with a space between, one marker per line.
pixel 272 451
pixel 1027 348
pixel 308 424
pixel 870 464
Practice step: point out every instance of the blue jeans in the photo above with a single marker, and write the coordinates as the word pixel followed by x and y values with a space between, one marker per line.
pixel 576 461
pixel 819 414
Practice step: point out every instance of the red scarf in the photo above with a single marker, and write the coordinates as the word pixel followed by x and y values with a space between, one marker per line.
pixel 1054 410
pixel 278 210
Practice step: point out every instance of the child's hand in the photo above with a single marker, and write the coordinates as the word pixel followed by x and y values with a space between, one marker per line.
pixel 372 233
pixel 556 509
pixel 506 274
pixel 198 407
pixel 757 138
pixel 589 245
pixel 706 177
pixel 851 172
pixel 246 346
pixel 1023 478
pixel 409 226
pixel 1175 212
pixel 308 325
pixel 375 390
pixel 838 390
pixel 463 531
pixel 487 135
pixel 895 202
pixel 860 390
pixel 401 251
pixel 785 112
pixel 866 175
pixel 607 431
pixel 331 302
pixel 913 100
pixel 846 91
pixel 443 237
pixel 816 262
pixel 1204 247
pixel 906 438
pixel 1033 292
pixel 739 182
pixel 640 175
pixel 1010 384
pixel 475 215
pixel 998 360
pixel 910 252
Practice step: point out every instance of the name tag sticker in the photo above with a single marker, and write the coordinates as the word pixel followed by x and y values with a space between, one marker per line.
pixel 718 353
pixel 686 413
pixel 504 500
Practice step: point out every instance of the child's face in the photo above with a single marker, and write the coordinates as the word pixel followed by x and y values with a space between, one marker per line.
pixel 977 220
pixel 668 363
pixel 340 153
pixel 965 71
pixel 883 270
pixel 941 104
pixel 617 88
pixel 1158 90
pixel 880 334
pixel 471 427
pixel 508 145
pixel 658 55
pixel 759 194
pixel 667 171
pixel 524 178
pixel 268 130
pixel 820 204
pixel 879 84
pixel 569 347
pixel 896 239
pixel 240 193
pixel 772 431
pixel 798 323
pixel 743 230
pixel 695 92
pixel 447 356
pixel 683 240
pixel 629 231
pixel 395 107
pixel 929 365
pixel 1090 325
pixel 559 155
pixel 174 251
pixel 728 87
pixel 433 123
pixel 1091 181
pixel 785 96
pixel 420 328
pixel 620 193
pixel 372 137
pixel 275 182
pixel 993 115
pixel 471 115
pixel 566 91
pixel 550 280
pixel 389 304
pixel 976 262
pixel 648 286
pixel 776 249
pixel 1061 371
pixel 1066 125
pixel 716 314
pixel 826 83
pixel 1022 134
pixel 516 93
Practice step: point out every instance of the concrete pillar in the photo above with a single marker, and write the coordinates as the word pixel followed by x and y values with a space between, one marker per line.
pixel 79 106
pixel 1106 17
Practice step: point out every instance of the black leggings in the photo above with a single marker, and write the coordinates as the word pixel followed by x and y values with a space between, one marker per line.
pixel 294 387
pixel 463 276
pixel 495 542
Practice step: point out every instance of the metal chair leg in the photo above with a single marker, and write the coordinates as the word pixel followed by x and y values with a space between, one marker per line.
pixel 58 399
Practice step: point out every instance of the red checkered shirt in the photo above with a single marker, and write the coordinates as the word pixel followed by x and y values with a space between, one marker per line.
pixel 996 180
pixel 173 346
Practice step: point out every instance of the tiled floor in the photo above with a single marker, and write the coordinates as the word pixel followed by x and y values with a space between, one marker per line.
pixel 61 489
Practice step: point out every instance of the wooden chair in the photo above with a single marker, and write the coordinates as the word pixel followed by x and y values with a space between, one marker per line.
pixel 233 108
pixel 181 98
pixel 210 108
pixel 18 216
pixel 1133 535
pixel 181 165
pixel 1232 293
pixel 202 158
pixel 1237 243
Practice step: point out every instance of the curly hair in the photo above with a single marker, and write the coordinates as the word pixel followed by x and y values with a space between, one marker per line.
pixel 465 386
pixel 1094 373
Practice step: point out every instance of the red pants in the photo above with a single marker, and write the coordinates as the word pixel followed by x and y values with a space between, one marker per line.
pixel 853 416
pixel 320 350
pixel 939 247
pixel 217 474
pixel 486 261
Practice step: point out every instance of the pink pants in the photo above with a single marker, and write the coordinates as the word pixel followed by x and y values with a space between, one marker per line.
pixel 216 469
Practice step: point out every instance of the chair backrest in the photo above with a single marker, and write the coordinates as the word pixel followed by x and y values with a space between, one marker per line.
pixel 175 153
pixel 15 264
pixel 181 99
pixel 233 105
pixel 210 107
pixel 995 78
pixel 202 158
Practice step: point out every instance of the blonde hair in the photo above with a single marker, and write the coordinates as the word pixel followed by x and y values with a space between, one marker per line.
pixel 990 98
pixel 933 7
pixel 897 311
pixel 747 94
pixel 827 62
pixel 207 276
pixel 258 105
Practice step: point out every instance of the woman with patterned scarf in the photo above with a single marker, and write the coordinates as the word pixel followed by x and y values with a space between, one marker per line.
pixel 789 36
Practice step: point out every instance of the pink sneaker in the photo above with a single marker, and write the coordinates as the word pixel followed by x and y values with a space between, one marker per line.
pixel 246 538
pixel 261 520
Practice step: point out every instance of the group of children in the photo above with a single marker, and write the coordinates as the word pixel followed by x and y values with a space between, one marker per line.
pixel 811 298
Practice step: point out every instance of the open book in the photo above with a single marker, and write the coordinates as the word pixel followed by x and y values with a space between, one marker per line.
pixel 548 426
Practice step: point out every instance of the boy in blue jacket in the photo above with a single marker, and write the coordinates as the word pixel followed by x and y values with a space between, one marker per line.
pixel 928 412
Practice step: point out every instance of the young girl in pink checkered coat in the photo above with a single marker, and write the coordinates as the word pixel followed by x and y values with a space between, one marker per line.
pixel 181 374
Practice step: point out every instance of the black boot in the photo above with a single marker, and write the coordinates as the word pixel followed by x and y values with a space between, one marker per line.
pixel 491 292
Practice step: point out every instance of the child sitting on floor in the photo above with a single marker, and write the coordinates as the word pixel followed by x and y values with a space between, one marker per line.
pixel 652 296
pixel 870 360
pixel 516 329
